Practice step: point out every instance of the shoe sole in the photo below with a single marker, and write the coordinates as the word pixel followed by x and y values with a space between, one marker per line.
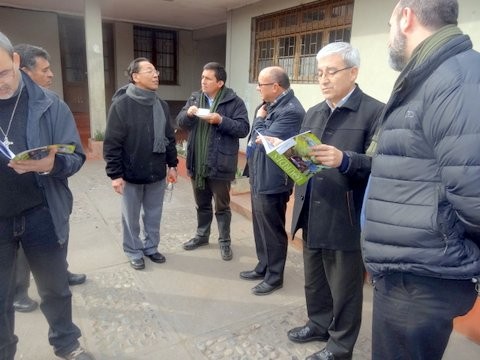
pixel 268 292
pixel 313 338
pixel 190 247
pixel 252 278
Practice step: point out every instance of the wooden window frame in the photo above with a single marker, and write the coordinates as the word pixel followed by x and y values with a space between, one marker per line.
pixel 160 46
pixel 297 27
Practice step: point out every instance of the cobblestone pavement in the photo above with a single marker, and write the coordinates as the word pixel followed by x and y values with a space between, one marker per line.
pixel 194 306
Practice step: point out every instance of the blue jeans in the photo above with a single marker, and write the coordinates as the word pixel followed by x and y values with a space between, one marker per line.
pixel 47 258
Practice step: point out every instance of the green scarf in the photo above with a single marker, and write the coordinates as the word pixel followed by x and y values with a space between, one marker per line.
pixel 201 140
pixel 421 53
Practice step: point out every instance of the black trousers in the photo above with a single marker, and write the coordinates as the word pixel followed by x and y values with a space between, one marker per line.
pixel 271 240
pixel 219 191
pixel 334 295
pixel 413 315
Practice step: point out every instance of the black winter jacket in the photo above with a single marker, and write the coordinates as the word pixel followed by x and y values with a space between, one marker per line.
pixel 223 142
pixel 336 198
pixel 128 143
pixel 423 206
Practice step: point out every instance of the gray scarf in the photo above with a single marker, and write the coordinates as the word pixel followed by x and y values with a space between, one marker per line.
pixel 149 98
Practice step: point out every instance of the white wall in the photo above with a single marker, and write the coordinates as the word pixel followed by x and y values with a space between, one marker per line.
pixel 20 26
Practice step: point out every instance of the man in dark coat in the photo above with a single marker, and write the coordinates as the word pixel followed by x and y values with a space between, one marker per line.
pixel 279 116
pixel 422 230
pixel 328 207
pixel 139 145
pixel 216 119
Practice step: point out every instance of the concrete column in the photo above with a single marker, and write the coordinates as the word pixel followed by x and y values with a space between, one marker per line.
pixel 95 66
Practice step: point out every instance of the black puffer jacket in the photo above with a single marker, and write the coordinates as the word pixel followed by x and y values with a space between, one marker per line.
pixel 423 207
pixel 223 143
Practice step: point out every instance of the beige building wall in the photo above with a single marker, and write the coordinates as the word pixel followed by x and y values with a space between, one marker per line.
pixel 369 34
pixel 21 26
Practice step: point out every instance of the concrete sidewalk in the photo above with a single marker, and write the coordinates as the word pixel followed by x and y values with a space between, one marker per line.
pixel 192 307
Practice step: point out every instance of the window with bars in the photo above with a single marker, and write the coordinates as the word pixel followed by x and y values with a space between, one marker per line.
pixel 292 38
pixel 160 47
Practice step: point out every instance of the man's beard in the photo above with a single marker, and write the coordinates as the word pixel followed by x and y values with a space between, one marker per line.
pixel 396 53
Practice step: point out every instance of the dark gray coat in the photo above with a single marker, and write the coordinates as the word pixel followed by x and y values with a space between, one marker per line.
pixel 336 198
pixel 423 207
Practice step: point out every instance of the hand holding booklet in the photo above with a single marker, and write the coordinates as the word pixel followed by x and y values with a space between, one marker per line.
pixel 292 156
pixel 36 153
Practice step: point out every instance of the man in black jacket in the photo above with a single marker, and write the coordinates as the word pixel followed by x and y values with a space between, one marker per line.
pixel 327 208
pixel 139 145
pixel 279 116
pixel 216 119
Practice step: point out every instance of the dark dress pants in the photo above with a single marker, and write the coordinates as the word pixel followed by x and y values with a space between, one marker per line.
pixel 271 239
pixel 413 315
pixel 219 190
pixel 47 259
pixel 22 277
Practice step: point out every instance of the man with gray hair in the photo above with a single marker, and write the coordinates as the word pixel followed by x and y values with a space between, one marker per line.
pixel 35 203
pixel 422 220
pixel 327 208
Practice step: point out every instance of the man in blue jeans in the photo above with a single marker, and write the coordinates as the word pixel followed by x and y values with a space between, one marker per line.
pixel 35 203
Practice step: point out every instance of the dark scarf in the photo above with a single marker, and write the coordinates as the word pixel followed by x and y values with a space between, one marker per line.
pixel 149 98
pixel 201 140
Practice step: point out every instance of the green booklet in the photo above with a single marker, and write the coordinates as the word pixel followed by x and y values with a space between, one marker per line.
pixel 292 156
pixel 37 153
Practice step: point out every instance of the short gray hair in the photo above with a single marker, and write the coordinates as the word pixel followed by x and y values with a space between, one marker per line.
pixel 5 44
pixel 29 53
pixel 350 55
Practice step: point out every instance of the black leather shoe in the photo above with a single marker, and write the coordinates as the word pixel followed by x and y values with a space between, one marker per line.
pixel 323 354
pixel 76 279
pixel 264 289
pixel 195 243
pixel 24 304
pixel 137 264
pixel 251 275
pixel 303 334
pixel 157 258
pixel 226 252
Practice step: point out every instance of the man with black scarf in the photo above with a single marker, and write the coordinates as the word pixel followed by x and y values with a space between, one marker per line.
pixel 139 145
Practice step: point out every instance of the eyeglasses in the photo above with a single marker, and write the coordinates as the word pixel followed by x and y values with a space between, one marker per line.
pixel 330 72
pixel 149 72
pixel 266 84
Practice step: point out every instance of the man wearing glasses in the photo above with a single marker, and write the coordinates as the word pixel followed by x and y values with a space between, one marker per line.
pixel 279 116
pixel 327 208
pixel 139 145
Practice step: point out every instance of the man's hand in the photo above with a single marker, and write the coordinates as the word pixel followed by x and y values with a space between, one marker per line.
pixel 44 165
pixel 118 185
pixel 192 111
pixel 262 111
pixel 212 118
pixel 327 155
pixel 172 175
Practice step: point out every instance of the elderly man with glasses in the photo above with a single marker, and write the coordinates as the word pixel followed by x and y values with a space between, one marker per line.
pixel 139 145
pixel 327 208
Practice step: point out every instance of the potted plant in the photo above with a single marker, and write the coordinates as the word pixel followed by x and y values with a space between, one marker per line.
pixel 95 145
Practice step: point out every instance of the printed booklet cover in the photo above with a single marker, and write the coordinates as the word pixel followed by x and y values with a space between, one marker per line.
pixel 292 156
pixel 36 153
